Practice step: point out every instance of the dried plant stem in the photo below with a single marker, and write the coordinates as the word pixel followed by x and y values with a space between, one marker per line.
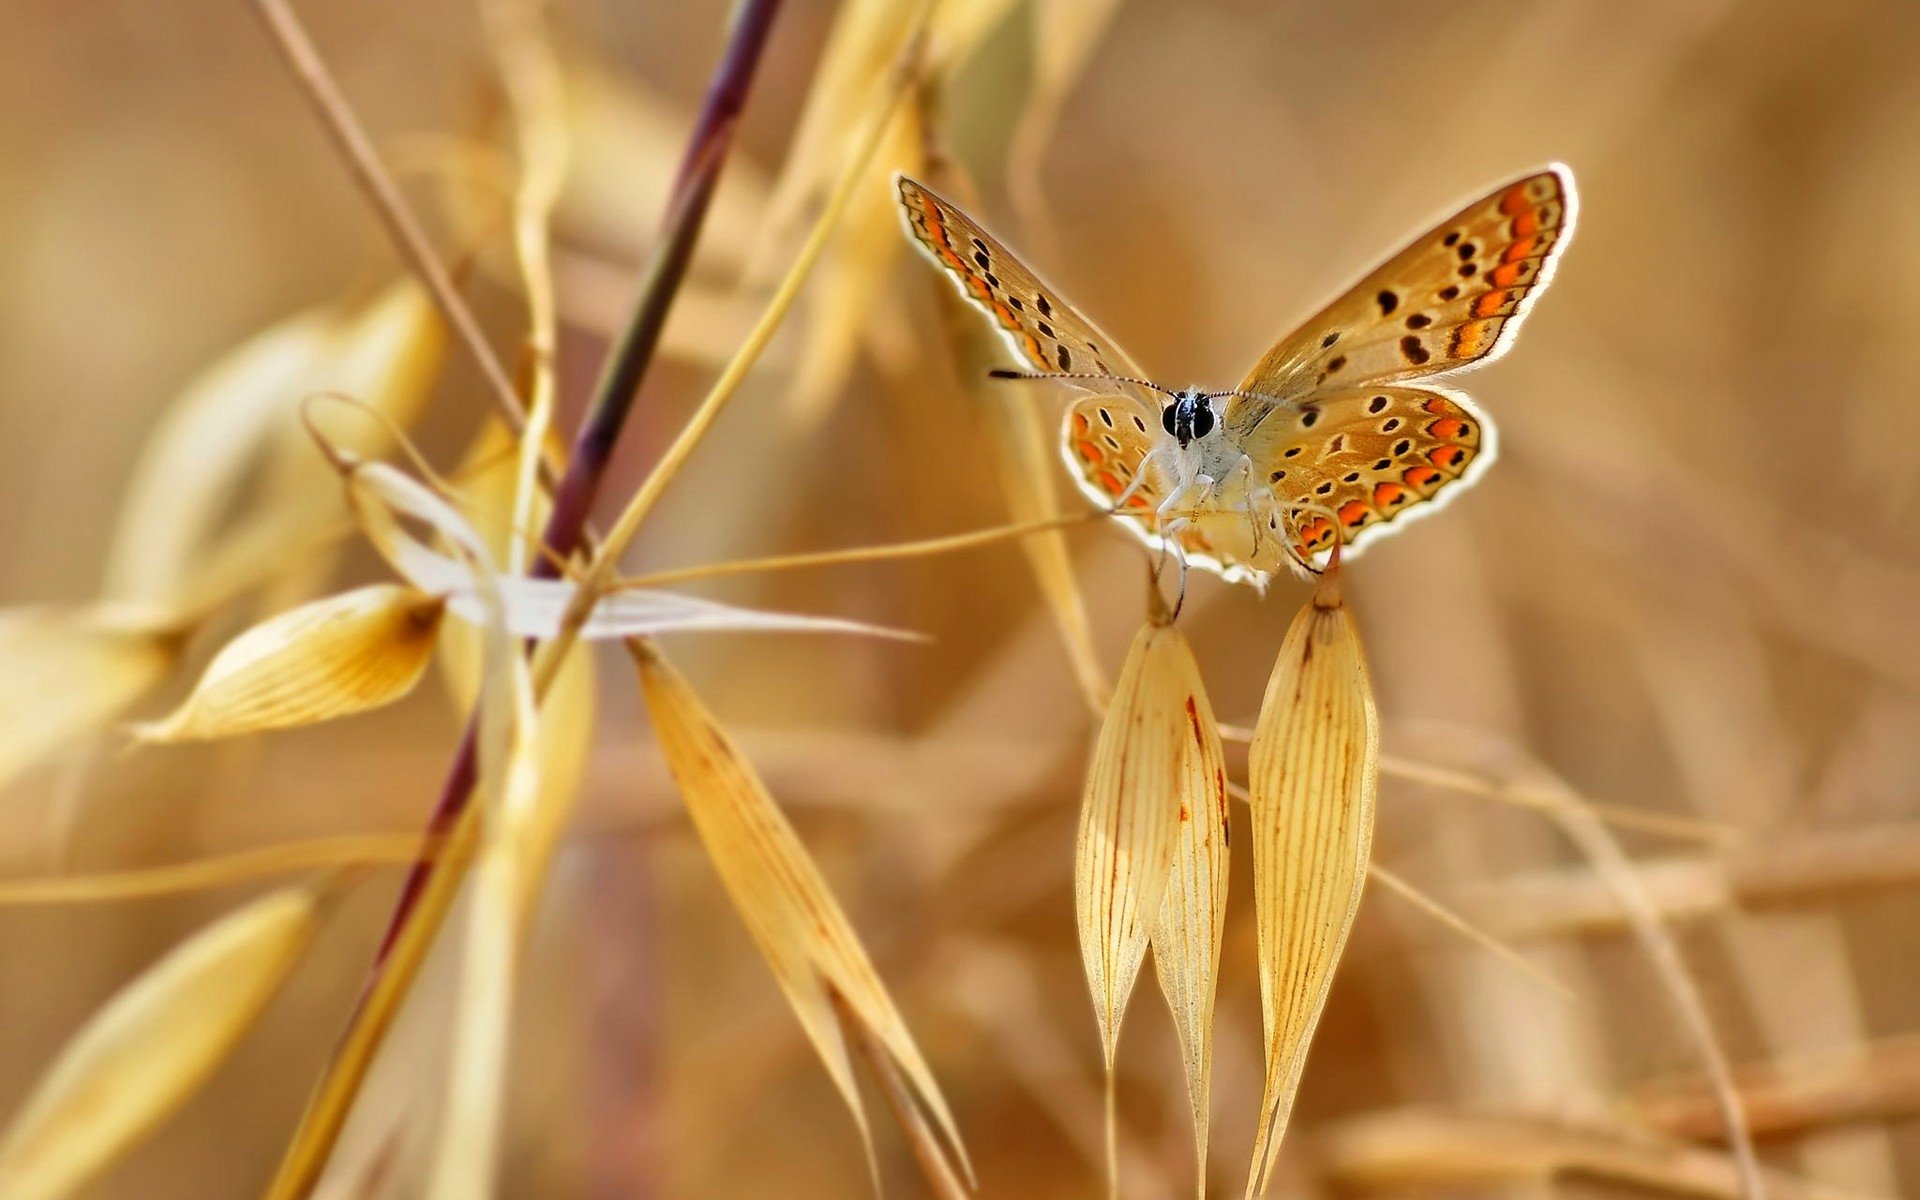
pixel 1453 1152
pixel 517 34
pixel 1550 801
pixel 1597 843
pixel 693 190
pixel 725 387
pixel 350 138
pixel 1467 929
pixel 859 554
pixel 431 885
pixel 224 870
pixel 1803 869
pixel 1690 829
pixel 1865 1082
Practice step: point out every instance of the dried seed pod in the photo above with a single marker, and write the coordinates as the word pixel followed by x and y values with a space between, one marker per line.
pixel 1313 775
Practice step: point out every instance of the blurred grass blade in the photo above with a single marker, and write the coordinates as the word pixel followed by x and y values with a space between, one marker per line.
pixel 199 455
pixel 240 418
pixel 1193 917
pixel 867 39
pixel 1313 777
pixel 380 495
pixel 64 675
pixel 151 1047
pixel 1065 33
pixel 1150 762
pixel 845 312
pixel 523 813
pixel 782 897
pixel 345 654
pixel 1025 449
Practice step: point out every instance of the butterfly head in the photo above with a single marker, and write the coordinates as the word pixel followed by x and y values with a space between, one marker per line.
pixel 1189 417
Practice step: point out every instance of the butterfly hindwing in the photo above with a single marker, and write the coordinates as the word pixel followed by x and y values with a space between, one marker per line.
pixel 1106 441
pixel 1044 330
pixel 1453 298
pixel 1355 463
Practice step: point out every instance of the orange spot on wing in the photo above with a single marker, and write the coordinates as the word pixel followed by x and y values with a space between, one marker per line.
pixel 1080 423
pixel 1506 274
pixel 1490 304
pixel 1526 247
pixel 1109 481
pixel 1137 500
pixel 1437 405
pixel 1446 456
pixel 1354 513
pixel 1385 495
pixel 1514 201
pixel 1526 224
pixel 1421 477
pixel 1447 428
pixel 1087 450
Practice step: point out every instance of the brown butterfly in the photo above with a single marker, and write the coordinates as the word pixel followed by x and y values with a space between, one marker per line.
pixel 1339 435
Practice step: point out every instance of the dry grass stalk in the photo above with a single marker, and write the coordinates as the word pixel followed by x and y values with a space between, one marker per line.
pixel 150 1048
pixel 782 898
pixel 1851 1085
pixel 1416 1149
pixel 346 654
pixel 1313 774
pixel 223 870
pixel 1025 447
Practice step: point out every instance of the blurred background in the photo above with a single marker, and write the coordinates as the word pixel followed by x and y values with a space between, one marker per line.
pixel 1690 587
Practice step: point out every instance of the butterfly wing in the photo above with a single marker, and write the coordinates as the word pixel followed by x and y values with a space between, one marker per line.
pixel 1453 298
pixel 1106 441
pixel 1351 440
pixel 1046 332
pixel 1357 463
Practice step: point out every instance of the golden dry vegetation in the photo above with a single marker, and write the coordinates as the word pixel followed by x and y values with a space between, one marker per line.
pixel 745 878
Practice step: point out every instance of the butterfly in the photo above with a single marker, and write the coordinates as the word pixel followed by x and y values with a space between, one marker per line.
pixel 1341 433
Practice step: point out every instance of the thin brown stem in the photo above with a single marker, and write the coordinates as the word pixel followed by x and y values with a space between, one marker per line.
pixel 356 148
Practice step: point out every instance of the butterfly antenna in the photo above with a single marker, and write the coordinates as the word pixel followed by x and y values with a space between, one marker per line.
pixel 1277 401
pixel 999 373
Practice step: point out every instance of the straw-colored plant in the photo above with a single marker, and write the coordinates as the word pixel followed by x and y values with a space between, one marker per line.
pixel 300 540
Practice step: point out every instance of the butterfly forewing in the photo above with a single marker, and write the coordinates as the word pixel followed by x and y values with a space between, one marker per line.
pixel 1046 332
pixel 1453 297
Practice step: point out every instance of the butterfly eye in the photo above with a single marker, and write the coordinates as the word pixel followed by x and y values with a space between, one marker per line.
pixel 1166 418
pixel 1202 421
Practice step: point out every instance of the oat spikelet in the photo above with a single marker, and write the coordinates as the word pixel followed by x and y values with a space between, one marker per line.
pixel 782 898
pixel 1150 768
pixel 1313 771
pixel 1193 917
pixel 152 1046
pixel 338 656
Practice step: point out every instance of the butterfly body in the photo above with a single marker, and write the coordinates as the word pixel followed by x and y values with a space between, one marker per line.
pixel 1339 435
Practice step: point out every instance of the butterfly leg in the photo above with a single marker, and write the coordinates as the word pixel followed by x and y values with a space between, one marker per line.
pixel 1140 477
